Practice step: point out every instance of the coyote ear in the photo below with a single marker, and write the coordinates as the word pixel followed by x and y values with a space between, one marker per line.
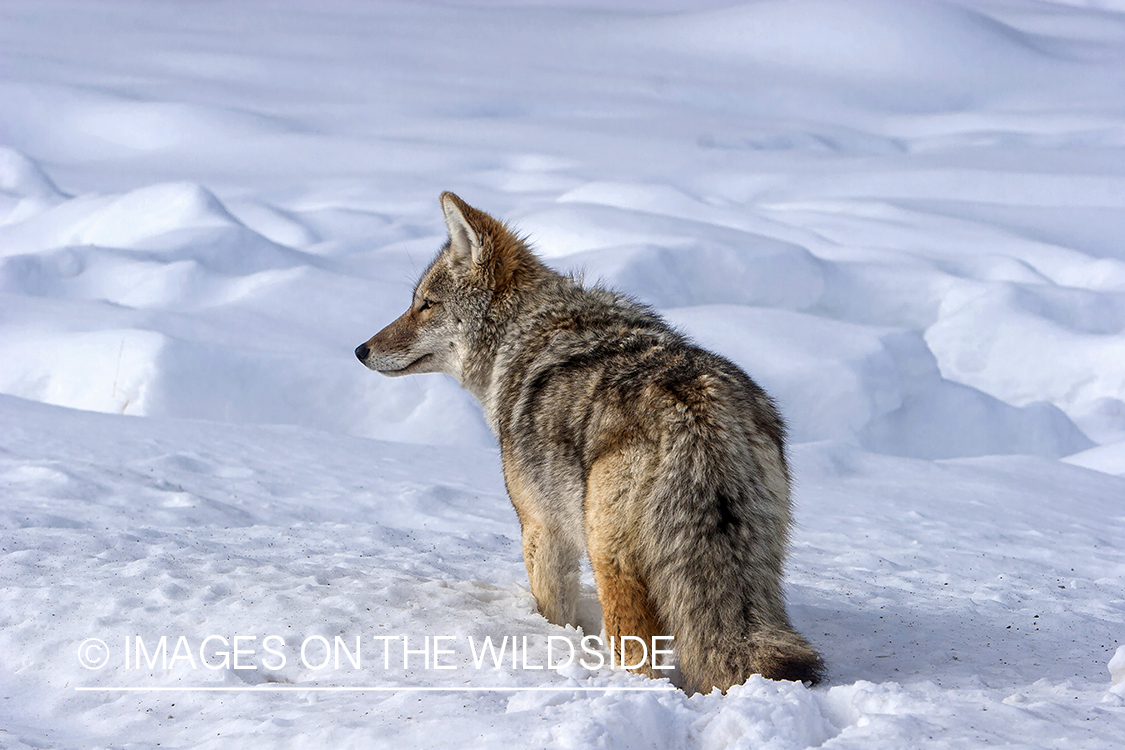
pixel 464 241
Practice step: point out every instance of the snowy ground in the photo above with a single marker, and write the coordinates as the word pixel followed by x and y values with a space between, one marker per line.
pixel 904 219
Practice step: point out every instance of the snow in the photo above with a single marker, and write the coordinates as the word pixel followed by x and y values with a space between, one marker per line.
pixel 903 219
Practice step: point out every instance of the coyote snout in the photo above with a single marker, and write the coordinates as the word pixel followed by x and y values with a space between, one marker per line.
pixel 405 347
pixel 621 440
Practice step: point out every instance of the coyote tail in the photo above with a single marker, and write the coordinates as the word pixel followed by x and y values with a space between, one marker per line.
pixel 716 580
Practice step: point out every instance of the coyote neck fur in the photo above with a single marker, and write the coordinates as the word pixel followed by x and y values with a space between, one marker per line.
pixel 519 322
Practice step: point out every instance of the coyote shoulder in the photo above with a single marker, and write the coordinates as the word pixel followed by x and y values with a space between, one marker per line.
pixel 663 462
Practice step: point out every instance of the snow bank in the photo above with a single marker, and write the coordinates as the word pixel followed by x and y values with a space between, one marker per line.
pixel 840 381
pixel 915 58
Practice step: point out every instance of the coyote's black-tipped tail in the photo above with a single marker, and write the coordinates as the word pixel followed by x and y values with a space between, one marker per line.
pixel 721 662
pixel 716 573
pixel 724 606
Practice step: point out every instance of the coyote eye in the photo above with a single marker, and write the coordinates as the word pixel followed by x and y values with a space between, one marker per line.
pixel 426 304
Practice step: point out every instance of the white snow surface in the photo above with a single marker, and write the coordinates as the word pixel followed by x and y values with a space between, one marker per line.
pixel 904 219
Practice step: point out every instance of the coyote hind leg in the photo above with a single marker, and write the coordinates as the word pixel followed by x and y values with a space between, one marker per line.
pixel 611 539
pixel 626 610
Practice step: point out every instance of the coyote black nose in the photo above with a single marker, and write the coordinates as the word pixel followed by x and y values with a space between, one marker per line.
pixel 362 351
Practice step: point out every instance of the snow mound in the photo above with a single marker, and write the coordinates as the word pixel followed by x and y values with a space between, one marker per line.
pixel 763 713
pixel 159 246
pixel 173 221
pixel 24 178
pixel 74 122
pixel 841 381
pixel 764 274
pixel 141 217
pixel 1037 342
pixel 107 370
pixel 277 225
pixel 25 189
pixel 919 56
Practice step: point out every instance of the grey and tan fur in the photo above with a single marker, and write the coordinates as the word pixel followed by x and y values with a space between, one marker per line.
pixel 665 463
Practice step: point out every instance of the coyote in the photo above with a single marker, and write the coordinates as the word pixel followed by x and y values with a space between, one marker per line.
pixel 618 436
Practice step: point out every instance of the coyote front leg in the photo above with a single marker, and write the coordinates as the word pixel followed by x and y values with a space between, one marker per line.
pixel 552 559
pixel 552 568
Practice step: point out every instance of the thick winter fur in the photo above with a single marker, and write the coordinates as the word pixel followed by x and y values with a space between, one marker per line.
pixel 663 462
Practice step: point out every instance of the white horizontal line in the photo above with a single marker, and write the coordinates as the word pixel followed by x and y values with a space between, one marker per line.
pixel 365 689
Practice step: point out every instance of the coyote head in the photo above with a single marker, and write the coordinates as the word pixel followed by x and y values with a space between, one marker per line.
pixel 456 317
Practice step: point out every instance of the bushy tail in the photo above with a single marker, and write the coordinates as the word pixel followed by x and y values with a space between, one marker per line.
pixel 778 653
pixel 720 541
